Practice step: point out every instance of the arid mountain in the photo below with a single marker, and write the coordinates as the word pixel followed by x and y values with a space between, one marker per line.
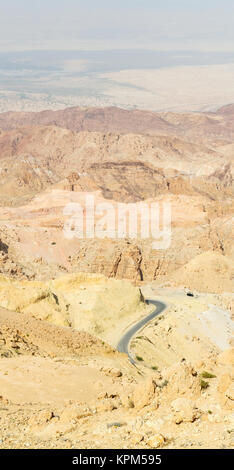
pixel 206 126
pixel 44 167
pixel 61 311
pixel 227 110
pixel 89 119
pixel 124 167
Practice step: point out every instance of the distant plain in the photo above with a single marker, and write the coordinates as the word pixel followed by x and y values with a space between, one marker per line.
pixel 145 79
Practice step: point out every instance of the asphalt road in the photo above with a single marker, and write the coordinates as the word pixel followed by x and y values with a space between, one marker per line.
pixel 124 342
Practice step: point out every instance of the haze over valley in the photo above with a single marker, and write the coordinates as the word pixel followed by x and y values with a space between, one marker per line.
pixel 143 79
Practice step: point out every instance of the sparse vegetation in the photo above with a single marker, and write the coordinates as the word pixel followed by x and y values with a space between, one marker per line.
pixel 63 383
pixel 139 358
pixel 116 424
pixel 204 384
pixel 207 375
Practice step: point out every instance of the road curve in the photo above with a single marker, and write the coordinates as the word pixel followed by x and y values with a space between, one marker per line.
pixel 124 342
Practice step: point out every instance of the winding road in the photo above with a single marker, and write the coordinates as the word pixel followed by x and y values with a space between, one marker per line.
pixel 124 342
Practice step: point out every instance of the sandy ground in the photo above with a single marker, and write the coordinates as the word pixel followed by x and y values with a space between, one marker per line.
pixel 62 388
pixel 185 87
pixel 40 380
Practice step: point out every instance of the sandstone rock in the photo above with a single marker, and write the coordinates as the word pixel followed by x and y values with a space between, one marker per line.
pixel 116 373
pixel 184 411
pixel 137 438
pixel 107 404
pixel 156 441
pixel 74 413
pixel 112 372
pixel 127 400
pixel 144 393
pixel 102 395
pixel 3 400
pixel 183 381
pixel 40 418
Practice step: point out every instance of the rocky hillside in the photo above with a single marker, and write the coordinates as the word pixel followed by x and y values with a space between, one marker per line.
pixel 112 119
pixel 126 168
pixel 51 158
pixel 66 301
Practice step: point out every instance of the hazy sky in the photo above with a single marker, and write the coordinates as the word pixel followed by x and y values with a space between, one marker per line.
pixel 106 24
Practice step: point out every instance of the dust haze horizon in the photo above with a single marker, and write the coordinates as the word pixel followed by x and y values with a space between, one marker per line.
pixel 161 24
pixel 160 55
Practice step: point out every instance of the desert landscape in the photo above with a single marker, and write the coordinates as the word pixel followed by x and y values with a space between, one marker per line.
pixel 66 302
